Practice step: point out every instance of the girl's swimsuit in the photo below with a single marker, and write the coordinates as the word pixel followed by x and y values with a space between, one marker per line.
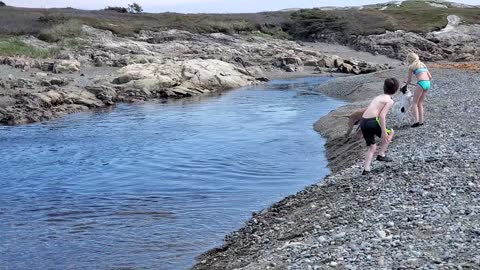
pixel 425 84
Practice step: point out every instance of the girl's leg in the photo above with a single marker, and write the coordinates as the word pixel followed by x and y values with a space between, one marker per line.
pixel 416 98
pixel 384 145
pixel 421 108
pixel 369 156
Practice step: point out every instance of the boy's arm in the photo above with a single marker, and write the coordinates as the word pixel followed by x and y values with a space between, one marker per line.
pixel 383 117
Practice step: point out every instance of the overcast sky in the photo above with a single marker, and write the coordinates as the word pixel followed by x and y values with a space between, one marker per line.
pixel 203 6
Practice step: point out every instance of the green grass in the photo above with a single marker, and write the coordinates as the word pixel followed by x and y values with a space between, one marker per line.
pixel 62 31
pixel 420 17
pixel 15 47
pixel 412 16
pixel 56 25
pixel 73 43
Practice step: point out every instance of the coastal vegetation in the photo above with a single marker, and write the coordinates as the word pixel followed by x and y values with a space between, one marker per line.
pixel 13 46
pixel 305 24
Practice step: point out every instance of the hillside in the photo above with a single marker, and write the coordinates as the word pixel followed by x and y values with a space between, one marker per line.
pixel 305 24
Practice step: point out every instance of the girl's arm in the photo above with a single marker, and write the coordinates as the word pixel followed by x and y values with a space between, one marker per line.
pixel 430 75
pixel 409 78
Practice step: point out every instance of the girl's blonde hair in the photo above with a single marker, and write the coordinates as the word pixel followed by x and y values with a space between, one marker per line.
pixel 414 61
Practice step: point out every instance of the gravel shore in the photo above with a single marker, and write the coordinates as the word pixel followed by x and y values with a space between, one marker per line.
pixel 420 211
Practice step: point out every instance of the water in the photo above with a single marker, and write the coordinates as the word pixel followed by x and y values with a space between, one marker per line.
pixel 153 186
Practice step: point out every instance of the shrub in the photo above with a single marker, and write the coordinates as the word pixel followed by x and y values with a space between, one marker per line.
pixel 310 24
pixel 117 9
pixel 2 4
pixel 135 8
pixel 52 18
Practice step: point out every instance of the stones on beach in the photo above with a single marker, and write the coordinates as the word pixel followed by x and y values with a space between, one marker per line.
pixel 54 81
pixel 418 212
pixel 384 234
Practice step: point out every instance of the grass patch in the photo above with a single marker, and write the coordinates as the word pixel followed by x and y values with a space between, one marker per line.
pixel 412 16
pixel 73 43
pixel 16 47
pixel 58 32
pixel 421 17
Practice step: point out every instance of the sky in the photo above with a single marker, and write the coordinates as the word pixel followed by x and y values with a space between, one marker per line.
pixel 201 6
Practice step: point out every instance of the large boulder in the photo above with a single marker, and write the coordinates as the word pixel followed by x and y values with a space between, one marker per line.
pixel 104 93
pixel 180 78
pixel 328 61
pixel 311 62
pixel 283 62
pixel 16 62
pixel 66 66
pixel 346 68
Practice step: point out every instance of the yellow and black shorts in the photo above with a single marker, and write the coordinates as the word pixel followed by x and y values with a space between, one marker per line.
pixel 371 127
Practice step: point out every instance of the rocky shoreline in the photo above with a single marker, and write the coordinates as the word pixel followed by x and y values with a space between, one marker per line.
pixel 421 211
pixel 152 66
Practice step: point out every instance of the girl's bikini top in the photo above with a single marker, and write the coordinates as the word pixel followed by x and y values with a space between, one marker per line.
pixel 420 70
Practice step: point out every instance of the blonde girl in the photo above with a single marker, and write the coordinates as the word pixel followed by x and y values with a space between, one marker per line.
pixel 419 69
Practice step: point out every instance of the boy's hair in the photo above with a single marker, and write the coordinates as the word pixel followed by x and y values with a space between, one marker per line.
pixel 390 86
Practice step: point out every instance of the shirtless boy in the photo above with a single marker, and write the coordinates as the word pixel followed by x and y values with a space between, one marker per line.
pixel 374 122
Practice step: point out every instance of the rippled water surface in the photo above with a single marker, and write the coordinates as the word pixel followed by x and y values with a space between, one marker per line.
pixel 152 186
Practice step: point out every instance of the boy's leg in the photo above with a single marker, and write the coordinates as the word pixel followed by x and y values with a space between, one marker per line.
pixel 384 145
pixel 369 156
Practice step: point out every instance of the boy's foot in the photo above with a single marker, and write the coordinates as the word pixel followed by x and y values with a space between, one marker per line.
pixel 421 124
pixel 365 172
pixel 416 125
pixel 385 158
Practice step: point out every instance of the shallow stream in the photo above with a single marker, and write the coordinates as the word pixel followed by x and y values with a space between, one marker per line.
pixel 152 186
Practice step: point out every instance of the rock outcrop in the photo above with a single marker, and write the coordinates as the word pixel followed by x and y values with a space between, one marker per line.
pixel 253 54
pixel 178 79
pixel 45 95
pixel 63 66
pixel 21 107
pixel 455 42
pixel 151 65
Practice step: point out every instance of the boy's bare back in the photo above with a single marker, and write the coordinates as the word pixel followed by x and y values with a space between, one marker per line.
pixel 378 104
